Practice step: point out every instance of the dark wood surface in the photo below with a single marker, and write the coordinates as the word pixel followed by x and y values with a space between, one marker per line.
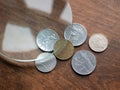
pixel 98 16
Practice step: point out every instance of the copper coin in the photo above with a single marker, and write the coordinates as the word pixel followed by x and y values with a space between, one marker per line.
pixel 63 49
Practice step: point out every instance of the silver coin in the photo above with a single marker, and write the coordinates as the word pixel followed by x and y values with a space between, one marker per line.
pixel 76 33
pixel 83 62
pixel 46 62
pixel 46 39
pixel 98 42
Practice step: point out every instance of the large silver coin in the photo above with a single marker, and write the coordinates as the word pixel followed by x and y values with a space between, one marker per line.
pixel 83 62
pixel 46 39
pixel 46 62
pixel 98 42
pixel 76 33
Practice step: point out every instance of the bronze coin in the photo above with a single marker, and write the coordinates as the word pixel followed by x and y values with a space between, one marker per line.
pixel 63 49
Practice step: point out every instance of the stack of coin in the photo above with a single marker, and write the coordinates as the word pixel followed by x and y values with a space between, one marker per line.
pixel 83 62
pixel 46 39
pixel 75 35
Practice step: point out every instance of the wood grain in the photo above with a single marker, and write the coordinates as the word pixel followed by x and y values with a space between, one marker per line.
pixel 98 16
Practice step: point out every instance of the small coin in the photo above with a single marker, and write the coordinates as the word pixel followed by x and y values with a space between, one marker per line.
pixel 46 39
pixel 98 42
pixel 83 62
pixel 76 33
pixel 63 49
pixel 45 62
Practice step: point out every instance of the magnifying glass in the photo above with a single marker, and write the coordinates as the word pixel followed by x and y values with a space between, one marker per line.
pixel 23 19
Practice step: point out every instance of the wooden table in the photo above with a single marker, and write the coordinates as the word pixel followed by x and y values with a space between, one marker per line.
pixel 98 16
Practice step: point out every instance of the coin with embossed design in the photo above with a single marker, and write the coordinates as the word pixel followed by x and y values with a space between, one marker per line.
pixel 76 33
pixel 83 62
pixel 45 62
pixel 46 39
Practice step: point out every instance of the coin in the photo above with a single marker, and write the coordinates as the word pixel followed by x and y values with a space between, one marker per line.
pixel 76 33
pixel 45 62
pixel 46 39
pixel 83 62
pixel 98 42
pixel 63 49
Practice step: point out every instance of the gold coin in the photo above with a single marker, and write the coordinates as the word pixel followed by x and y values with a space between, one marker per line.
pixel 63 49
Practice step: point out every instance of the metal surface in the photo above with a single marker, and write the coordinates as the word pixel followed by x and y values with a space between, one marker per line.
pixel 76 33
pixel 98 42
pixel 83 62
pixel 46 62
pixel 46 39
pixel 63 49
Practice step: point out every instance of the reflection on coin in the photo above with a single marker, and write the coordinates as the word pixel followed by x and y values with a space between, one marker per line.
pixel 45 62
pixel 83 62
pixel 76 33
pixel 63 49
pixel 98 42
pixel 46 39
